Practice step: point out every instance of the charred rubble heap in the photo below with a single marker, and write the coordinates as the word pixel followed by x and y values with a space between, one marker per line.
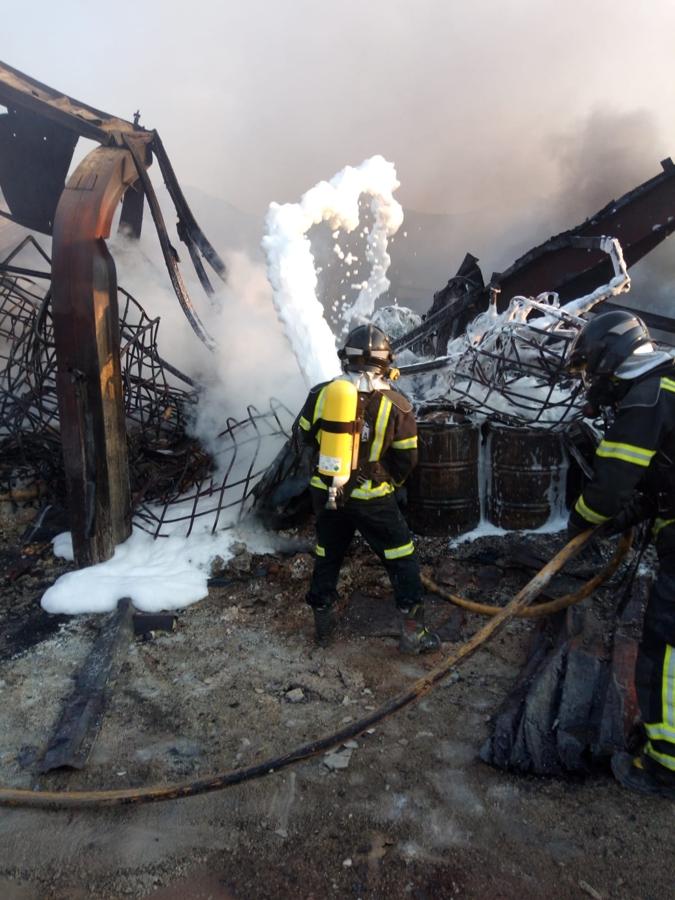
pixel 92 416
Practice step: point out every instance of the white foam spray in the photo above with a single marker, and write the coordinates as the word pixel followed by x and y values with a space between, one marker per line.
pixel 291 266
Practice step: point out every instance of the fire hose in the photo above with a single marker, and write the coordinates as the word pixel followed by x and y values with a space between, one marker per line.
pixel 542 609
pixel 421 687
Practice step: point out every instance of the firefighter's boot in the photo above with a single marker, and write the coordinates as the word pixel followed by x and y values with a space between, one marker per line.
pixel 415 636
pixel 640 773
pixel 324 624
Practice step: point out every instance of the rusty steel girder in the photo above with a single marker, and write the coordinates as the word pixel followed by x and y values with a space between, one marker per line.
pixel 86 330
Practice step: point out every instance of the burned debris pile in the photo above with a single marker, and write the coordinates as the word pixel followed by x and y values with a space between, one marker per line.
pixel 174 481
pixel 91 416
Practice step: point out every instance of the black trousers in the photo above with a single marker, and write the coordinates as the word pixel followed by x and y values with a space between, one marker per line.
pixel 381 524
pixel 655 668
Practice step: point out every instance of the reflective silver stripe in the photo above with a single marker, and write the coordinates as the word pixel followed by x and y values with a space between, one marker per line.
pixel 319 550
pixel 639 456
pixel 398 552
pixel 380 429
pixel 660 733
pixel 405 443
pixel 589 514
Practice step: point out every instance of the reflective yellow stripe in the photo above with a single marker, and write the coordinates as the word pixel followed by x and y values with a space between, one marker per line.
pixel 405 443
pixel 664 730
pixel 316 482
pixel 318 410
pixel 668 687
pixel 398 552
pixel 668 384
pixel 589 514
pixel 639 456
pixel 304 424
pixel 366 491
pixel 380 428
pixel 319 550
pixel 659 524
pixel 662 758
pixel 319 405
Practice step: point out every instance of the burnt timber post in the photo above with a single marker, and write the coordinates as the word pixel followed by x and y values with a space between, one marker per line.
pixel 87 339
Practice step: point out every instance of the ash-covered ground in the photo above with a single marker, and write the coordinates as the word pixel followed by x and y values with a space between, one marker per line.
pixel 405 811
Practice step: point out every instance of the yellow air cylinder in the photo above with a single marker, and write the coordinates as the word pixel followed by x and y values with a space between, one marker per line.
pixel 336 446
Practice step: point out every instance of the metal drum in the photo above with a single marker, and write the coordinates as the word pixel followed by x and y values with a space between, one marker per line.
pixel 443 490
pixel 527 467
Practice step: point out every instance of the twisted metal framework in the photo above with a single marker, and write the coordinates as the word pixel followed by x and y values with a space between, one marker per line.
pixel 518 377
pixel 508 370
pixel 222 498
pixel 177 486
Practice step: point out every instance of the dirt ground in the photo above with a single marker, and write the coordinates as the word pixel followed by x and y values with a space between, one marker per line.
pixel 409 812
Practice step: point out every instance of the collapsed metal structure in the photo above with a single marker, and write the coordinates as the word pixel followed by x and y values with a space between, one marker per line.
pixel 641 219
pixel 509 366
pixel 89 408
pixel 38 135
pixel 89 412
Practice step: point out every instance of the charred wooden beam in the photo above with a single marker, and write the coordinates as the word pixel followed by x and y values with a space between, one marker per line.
pixel 18 90
pixel 80 721
pixel 86 331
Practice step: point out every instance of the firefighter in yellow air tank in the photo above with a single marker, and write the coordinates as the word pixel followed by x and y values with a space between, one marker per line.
pixel 367 441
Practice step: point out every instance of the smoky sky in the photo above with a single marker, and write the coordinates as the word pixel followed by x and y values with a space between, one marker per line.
pixel 516 115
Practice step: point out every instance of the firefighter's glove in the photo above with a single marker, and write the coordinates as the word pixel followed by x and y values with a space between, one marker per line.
pixel 638 510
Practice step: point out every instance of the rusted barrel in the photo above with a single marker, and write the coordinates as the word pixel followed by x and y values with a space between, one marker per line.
pixel 526 472
pixel 443 490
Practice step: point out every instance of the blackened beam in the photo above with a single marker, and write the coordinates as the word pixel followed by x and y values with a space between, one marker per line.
pixel 20 90
pixel 454 307
pixel 24 273
pixel 80 721
pixel 168 251
pixel 185 215
pixel 641 219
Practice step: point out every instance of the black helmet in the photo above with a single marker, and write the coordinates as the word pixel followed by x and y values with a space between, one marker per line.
pixel 367 349
pixel 605 342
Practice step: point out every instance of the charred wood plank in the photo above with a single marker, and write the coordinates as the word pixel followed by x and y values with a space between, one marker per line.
pixel 80 721
pixel 87 340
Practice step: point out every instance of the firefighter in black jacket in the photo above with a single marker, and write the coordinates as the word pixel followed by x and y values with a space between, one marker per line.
pixel 634 479
pixel 387 453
